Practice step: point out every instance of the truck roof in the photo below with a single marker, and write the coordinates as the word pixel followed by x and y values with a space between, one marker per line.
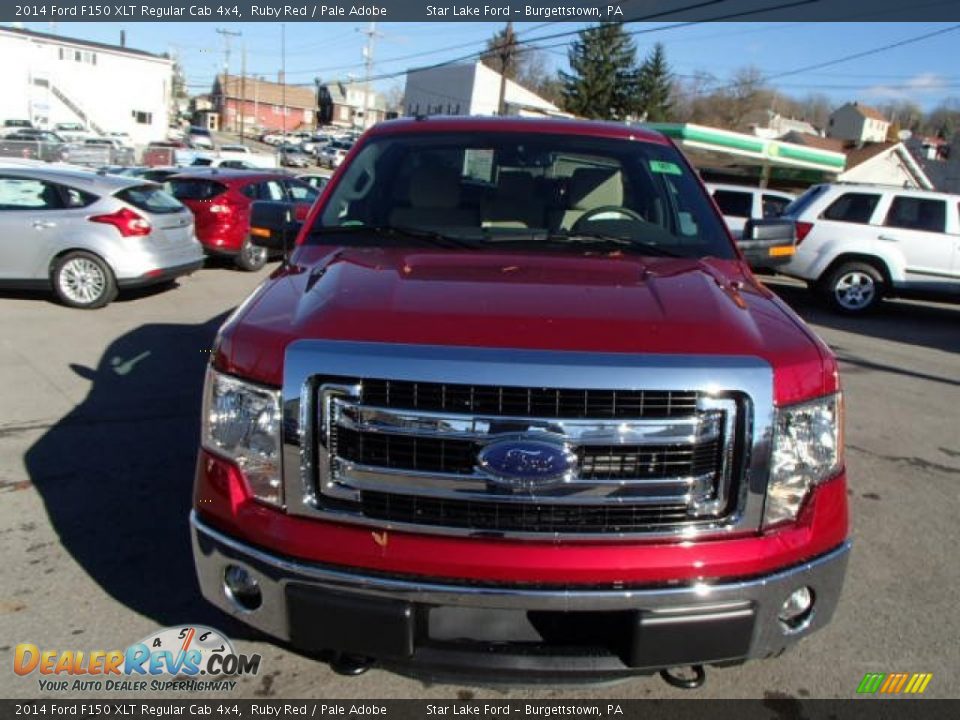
pixel 559 126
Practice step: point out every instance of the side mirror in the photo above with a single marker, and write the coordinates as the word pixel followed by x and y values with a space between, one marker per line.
pixel 272 224
pixel 768 243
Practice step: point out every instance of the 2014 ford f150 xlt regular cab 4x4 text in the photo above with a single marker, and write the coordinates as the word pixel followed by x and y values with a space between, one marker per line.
pixel 516 405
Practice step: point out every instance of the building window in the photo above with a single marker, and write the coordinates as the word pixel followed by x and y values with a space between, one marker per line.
pixel 344 112
pixel 80 56
pixel 142 118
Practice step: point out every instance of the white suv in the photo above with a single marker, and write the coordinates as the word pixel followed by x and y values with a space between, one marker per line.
pixel 859 243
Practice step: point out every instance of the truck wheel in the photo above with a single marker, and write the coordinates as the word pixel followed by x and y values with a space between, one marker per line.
pixel 83 280
pixel 853 288
pixel 251 257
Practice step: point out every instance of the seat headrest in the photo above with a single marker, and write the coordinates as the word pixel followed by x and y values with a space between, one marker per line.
pixel 435 187
pixel 594 187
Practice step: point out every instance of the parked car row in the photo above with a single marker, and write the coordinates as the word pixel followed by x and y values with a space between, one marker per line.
pixel 301 149
pixel 86 235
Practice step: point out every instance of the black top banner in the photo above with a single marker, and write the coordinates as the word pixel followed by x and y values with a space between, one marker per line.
pixel 481 10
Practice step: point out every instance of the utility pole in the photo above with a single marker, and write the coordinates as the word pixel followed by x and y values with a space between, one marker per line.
pixel 283 81
pixel 506 54
pixel 227 36
pixel 372 35
pixel 243 90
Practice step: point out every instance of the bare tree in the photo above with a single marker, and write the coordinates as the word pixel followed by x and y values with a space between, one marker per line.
pixel 745 94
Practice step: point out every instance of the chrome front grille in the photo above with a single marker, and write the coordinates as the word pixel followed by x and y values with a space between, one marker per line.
pixel 644 461
pixel 396 441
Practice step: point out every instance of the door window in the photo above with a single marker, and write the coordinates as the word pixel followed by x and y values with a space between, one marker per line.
pixel 774 205
pixel 301 192
pixel 852 208
pixel 913 213
pixel 733 203
pixel 27 194
pixel 270 190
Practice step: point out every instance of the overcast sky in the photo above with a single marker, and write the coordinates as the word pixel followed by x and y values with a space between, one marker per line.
pixel 924 72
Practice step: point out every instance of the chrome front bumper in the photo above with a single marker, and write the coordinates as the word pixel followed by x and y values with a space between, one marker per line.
pixel 742 614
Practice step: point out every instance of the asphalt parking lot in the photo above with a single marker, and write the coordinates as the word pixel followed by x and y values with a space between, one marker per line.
pixel 98 433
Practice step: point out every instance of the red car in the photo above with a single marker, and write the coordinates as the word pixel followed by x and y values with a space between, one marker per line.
pixel 220 201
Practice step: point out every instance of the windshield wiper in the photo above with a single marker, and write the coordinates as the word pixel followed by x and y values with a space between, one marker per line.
pixel 430 236
pixel 617 240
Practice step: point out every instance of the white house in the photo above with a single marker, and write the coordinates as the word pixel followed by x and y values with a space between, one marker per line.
pixel 51 79
pixel 858 124
pixel 354 105
pixel 772 125
pixel 468 90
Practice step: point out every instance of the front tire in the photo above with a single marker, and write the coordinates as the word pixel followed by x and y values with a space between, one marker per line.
pixel 251 257
pixel 83 280
pixel 853 288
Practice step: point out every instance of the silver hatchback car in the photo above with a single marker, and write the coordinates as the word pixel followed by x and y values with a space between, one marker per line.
pixel 87 235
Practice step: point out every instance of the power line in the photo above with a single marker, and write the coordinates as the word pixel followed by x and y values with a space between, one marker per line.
pixel 864 53
pixel 845 58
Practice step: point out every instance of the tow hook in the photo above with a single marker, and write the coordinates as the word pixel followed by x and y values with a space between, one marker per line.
pixel 671 676
pixel 350 665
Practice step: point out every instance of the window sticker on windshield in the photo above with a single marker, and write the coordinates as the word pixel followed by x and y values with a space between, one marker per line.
pixel 665 168
pixel 478 164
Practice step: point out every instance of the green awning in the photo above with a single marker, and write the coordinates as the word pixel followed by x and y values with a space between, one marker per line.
pixel 739 149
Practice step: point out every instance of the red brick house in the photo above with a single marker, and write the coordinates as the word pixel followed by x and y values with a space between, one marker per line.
pixel 264 105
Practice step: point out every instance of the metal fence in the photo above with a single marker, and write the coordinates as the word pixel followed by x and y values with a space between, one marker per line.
pixel 74 153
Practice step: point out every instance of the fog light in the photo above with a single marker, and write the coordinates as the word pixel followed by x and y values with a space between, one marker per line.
pixel 797 609
pixel 241 587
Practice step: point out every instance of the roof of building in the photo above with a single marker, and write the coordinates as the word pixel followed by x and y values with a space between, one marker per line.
pixel 859 155
pixel 814 141
pixel 265 91
pixel 77 41
pixel 867 111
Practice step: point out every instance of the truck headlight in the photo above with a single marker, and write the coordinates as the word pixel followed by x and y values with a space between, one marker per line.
pixel 241 422
pixel 807 449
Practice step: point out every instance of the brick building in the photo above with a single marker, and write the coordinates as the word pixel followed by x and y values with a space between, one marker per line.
pixel 263 105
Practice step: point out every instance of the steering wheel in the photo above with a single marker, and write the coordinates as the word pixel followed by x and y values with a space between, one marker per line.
pixel 618 209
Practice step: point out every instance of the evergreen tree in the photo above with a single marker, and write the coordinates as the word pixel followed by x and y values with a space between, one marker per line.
pixel 502 53
pixel 602 83
pixel 655 86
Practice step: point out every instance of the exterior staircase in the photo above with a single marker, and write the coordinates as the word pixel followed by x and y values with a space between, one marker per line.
pixel 74 107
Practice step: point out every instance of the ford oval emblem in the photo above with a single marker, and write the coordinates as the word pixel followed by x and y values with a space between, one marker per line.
pixel 527 463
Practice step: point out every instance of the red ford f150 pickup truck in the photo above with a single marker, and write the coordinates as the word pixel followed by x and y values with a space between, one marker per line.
pixel 516 404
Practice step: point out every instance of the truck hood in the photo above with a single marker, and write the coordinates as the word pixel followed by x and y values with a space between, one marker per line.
pixel 547 301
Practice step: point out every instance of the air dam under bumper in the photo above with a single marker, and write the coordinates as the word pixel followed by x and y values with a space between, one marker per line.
pixel 446 628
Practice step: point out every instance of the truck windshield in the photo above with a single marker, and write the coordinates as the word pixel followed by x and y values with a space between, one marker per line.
pixel 543 191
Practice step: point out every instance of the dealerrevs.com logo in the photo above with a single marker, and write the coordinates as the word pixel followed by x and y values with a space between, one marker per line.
pixel 185 659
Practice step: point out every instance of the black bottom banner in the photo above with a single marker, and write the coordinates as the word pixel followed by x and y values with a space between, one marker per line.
pixel 779 709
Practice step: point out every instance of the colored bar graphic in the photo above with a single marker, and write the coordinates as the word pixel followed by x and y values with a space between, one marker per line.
pixel 894 683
